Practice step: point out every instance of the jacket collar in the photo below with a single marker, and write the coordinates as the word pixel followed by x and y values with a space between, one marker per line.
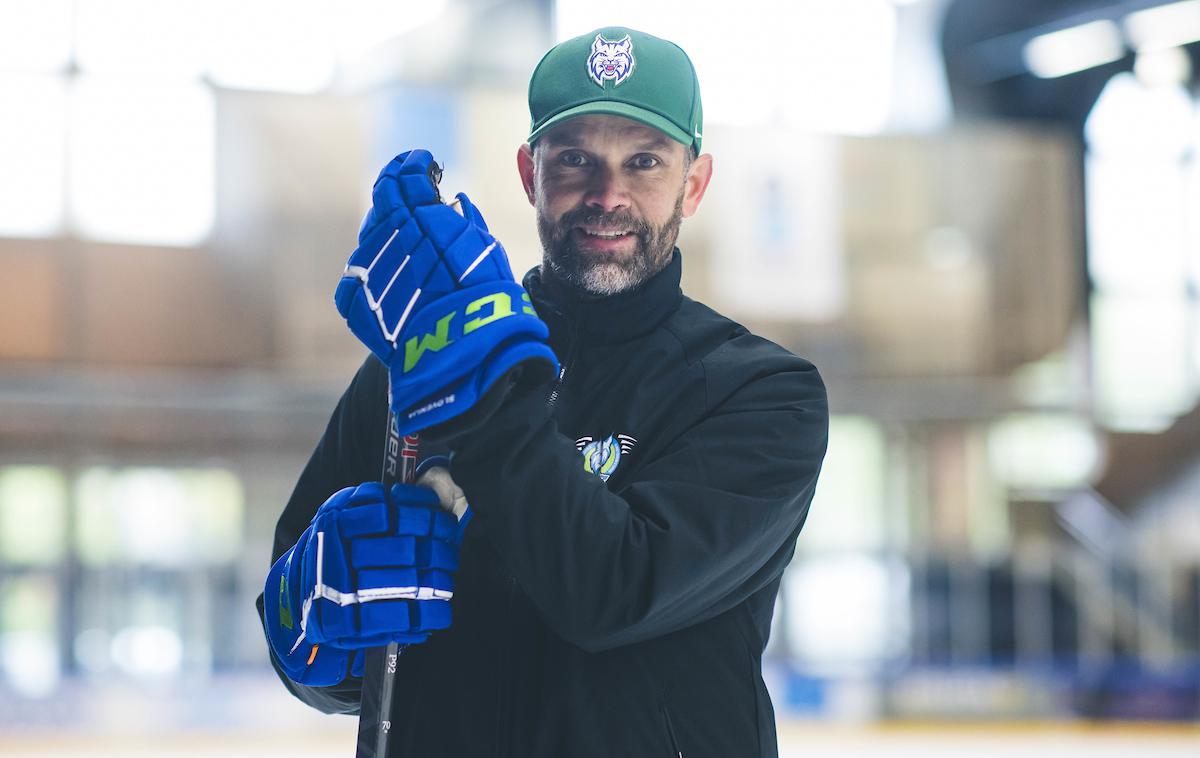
pixel 615 318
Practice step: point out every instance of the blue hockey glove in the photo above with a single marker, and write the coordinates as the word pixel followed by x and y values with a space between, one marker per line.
pixel 431 293
pixel 366 572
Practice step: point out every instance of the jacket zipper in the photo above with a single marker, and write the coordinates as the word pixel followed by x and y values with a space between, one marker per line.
pixel 550 401
pixel 502 687
pixel 562 371
pixel 677 753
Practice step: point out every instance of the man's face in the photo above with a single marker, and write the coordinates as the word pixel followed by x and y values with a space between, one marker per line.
pixel 610 194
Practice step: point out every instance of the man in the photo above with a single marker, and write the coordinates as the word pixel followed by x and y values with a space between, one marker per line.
pixel 633 511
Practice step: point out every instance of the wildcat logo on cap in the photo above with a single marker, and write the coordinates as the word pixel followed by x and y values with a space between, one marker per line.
pixel 600 457
pixel 611 60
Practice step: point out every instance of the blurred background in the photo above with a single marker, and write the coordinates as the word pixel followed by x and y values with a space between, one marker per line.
pixel 978 218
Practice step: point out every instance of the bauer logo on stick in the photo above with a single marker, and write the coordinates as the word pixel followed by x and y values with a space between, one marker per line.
pixel 611 60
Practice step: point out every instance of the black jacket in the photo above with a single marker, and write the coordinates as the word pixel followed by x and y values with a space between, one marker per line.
pixel 624 617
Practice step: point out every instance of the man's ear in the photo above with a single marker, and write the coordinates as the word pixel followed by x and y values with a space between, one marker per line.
pixel 696 182
pixel 525 169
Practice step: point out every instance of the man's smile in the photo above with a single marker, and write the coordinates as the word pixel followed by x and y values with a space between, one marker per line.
pixel 603 239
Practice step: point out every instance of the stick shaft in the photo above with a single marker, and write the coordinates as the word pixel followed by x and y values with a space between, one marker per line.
pixel 399 465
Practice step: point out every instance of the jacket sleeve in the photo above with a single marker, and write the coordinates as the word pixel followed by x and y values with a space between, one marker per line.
pixel 711 520
pixel 346 455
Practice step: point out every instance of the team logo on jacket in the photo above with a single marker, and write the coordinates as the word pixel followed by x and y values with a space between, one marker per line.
pixel 610 60
pixel 600 457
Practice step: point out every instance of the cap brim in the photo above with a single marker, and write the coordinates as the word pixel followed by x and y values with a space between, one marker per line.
pixel 616 108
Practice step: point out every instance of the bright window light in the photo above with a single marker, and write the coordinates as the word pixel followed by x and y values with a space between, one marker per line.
pixel 1138 138
pixel 1043 451
pixel 1138 144
pixel 29 611
pixel 33 141
pixel 97 542
pixel 143 157
pixel 30 663
pixel 143 37
pixel 280 45
pixel 168 517
pixel 1195 348
pixel 216 505
pixel 361 26
pixel 33 507
pixel 1076 49
pixel 1135 225
pixel 151 509
pixel 823 65
pixel 847 512
pixel 1192 216
pixel 1140 362
pixel 1165 26
pixel 1166 67
pixel 134 515
pixel 1132 119
pixel 846 610
pixel 35 35
pixel 148 651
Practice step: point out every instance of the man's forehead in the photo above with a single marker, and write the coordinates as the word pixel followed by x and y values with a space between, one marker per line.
pixel 593 127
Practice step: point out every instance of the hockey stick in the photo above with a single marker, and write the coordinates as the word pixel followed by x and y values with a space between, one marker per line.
pixel 375 711
pixel 399 465
pixel 402 455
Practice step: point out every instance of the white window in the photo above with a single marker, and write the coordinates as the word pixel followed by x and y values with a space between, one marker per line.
pixel 142 157
pixel 159 516
pixel 33 139
pixel 280 45
pixel 1141 250
pixel 120 149
pixel 142 38
pixel 35 35
pixel 848 512
pixel 33 505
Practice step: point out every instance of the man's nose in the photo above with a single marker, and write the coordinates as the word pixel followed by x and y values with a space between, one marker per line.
pixel 607 190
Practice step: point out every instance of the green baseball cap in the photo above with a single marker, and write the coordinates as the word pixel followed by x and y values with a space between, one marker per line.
pixel 619 72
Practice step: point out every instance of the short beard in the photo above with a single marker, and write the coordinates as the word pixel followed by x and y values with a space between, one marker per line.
pixel 606 277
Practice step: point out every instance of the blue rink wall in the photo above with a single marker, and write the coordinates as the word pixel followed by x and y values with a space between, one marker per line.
pixel 1118 691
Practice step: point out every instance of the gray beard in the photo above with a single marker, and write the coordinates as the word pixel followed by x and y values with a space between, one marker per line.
pixel 598 276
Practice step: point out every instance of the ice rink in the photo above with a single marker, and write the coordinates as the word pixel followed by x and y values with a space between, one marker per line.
pixel 979 220
pixel 797 740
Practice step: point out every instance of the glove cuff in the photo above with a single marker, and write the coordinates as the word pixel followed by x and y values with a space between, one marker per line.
pixel 458 346
pixel 304 663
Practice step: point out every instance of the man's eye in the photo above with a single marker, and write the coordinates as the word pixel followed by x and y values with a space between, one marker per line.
pixel 572 159
pixel 645 161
